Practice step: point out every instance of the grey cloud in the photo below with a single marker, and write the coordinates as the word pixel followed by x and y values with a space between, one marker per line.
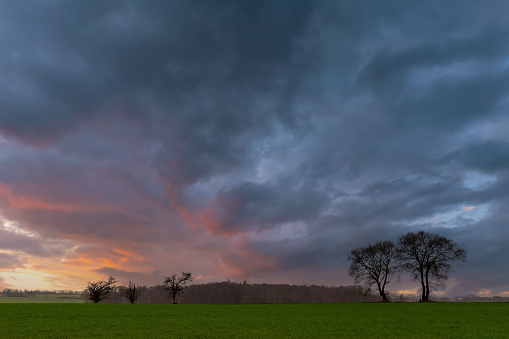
pixel 107 227
pixel 8 261
pixel 488 156
pixel 383 211
pixel 453 103
pixel 82 61
pixel 486 245
pixel 18 242
pixel 259 206
pixel 392 68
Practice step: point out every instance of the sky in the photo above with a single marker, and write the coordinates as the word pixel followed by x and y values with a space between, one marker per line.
pixel 250 140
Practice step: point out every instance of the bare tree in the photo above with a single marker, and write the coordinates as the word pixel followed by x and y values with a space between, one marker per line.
pixel 374 265
pixel 130 290
pixel 175 285
pixel 100 290
pixel 428 258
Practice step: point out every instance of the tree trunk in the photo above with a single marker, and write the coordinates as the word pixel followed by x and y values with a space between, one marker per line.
pixel 382 293
pixel 427 287
pixel 423 296
pixel 174 295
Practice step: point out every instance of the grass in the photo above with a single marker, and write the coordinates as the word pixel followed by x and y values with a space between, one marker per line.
pixel 254 321
pixel 42 298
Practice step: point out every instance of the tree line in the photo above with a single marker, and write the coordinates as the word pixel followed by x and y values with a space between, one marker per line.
pixel 12 292
pixel 228 292
pixel 100 290
pixel 427 257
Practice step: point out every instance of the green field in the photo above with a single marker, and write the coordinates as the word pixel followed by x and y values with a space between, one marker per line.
pixel 377 320
pixel 42 298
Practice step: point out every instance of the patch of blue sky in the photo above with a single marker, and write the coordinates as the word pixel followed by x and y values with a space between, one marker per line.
pixel 459 216
pixel 477 181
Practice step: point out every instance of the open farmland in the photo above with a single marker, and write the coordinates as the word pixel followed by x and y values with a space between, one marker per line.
pixel 42 298
pixel 262 320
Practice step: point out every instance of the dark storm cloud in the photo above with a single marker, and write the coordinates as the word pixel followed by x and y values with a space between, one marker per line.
pixel 485 242
pixel 488 156
pixel 391 68
pixel 453 104
pixel 253 205
pixel 283 133
pixel 76 60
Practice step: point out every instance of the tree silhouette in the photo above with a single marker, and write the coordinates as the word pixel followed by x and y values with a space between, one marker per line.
pixel 175 285
pixel 130 290
pixel 374 265
pixel 100 290
pixel 428 258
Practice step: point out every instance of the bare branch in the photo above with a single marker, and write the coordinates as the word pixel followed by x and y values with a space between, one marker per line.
pixel 428 258
pixel 374 265
pixel 99 290
pixel 175 285
pixel 131 291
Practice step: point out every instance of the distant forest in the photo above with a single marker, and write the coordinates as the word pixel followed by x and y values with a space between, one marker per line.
pixel 244 293
pixel 230 293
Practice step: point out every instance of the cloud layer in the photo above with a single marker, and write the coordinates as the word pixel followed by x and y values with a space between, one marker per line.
pixel 249 140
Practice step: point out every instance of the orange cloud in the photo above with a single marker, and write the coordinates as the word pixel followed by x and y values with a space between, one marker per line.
pixel 79 266
pixel 209 221
pixel 124 252
pixel 204 277
pixel 210 218
pixel 48 273
pixel 128 255
pixel 411 292
pixel 484 292
pixel 116 258
pixel 237 260
pixel 469 208
pixel 240 261
pixel 33 202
